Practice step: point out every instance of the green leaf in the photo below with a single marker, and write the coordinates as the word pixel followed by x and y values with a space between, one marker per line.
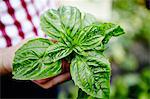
pixel 83 95
pixel 65 22
pixel 97 35
pixel 109 30
pixel 58 51
pixel 50 24
pixel 90 37
pixel 31 61
pixel 92 74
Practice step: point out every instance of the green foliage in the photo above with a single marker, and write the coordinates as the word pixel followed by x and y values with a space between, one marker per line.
pixel 92 74
pixel 81 38
pixel 131 60
pixel 32 62
pixel 83 95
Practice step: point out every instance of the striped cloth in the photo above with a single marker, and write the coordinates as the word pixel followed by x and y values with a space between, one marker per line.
pixel 19 19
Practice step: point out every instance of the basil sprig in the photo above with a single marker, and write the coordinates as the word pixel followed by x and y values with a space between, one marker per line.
pixel 81 40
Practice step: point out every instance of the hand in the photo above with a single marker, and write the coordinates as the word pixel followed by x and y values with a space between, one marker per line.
pixel 50 82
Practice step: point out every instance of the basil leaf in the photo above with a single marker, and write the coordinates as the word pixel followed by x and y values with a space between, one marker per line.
pixel 97 35
pixel 66 21
pixel 84 95
pixel 90 37
pixel 92 74
pixel 50 24
pixel 31 61
pixel 109 30
pixel 58 51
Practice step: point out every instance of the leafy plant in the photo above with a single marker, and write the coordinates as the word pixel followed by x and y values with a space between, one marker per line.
pixel 81 40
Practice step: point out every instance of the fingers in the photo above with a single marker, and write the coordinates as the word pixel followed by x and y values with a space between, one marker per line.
pixel 42 81
pixel 48 83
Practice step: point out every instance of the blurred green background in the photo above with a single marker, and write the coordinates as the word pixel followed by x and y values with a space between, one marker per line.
pixel 129 54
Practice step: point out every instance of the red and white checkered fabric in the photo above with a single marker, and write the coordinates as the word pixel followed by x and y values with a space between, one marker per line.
pixel 19 19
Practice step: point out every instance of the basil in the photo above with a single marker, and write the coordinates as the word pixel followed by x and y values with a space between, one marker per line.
pixel 92 74
pixel 32 61
pixel 81 40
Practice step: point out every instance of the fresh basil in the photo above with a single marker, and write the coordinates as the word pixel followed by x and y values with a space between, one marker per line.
pixel 66 21
pixel 84 95
pixel 32 62
pixel 92 74
pixel 81 40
